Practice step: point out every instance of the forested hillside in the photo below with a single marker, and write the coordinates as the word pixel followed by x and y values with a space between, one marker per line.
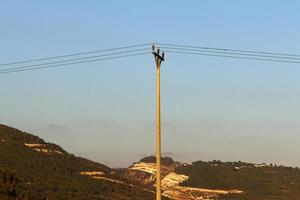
pixel 30 167
pixel 258 181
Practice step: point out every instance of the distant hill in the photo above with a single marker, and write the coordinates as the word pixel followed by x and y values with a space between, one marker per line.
pixel 32 169
pixel 144 173
pixel 257 181
pixel 219 180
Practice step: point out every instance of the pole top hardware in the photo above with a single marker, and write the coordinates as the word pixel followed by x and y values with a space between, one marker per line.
pixel 157 55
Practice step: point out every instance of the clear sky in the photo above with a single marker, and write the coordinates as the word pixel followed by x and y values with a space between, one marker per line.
pixel 212 108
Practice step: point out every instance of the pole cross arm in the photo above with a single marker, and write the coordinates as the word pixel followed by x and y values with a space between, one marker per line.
pixel 157 55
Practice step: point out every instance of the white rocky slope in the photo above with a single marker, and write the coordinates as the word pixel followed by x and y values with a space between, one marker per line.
pixel 145 173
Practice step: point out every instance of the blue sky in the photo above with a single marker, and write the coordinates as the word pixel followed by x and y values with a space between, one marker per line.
pixel 212 108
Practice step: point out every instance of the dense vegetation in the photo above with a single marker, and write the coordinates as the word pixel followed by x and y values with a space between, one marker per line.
pixel 152 159
pixel 165 161
pixel 264 182
pixel 28 174
pixel 13 189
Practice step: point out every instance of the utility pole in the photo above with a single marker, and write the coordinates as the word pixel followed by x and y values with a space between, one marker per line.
pixel 158 59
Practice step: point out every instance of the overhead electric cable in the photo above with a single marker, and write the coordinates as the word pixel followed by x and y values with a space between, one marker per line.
pixel 72 63
pixel 238 57
pixel 230 53
pixel 226 49
pixel 75 54
pixel 74 59
pixel 113 53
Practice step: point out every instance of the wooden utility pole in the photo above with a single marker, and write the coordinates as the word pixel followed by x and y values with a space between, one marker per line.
pixel 158 59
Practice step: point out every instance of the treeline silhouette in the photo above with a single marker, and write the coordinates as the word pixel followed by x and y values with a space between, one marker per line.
pixel 259 182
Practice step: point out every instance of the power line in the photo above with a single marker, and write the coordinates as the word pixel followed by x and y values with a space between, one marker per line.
pixel 72 63
pixel 75 54
pixel 74 59
pixel 226 49
pixel 238 57
pixel 171 48
pixel 231 53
